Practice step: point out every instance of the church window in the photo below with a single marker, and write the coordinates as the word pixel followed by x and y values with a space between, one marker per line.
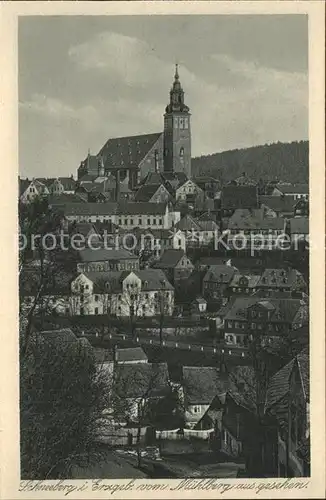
pixel 186 122
pixel 181 122
pixel 182 152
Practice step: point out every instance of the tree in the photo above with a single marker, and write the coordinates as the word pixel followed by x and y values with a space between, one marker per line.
pixel 136 388
pixel 62 394
pixel 62 399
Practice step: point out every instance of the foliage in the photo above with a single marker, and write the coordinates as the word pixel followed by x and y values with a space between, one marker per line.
pixel 286 162
pixel 62 396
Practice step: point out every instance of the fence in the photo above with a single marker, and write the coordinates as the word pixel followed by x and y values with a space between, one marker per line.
pixel 176 434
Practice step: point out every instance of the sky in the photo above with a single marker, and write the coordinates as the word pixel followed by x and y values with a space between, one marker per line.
pixel 84 79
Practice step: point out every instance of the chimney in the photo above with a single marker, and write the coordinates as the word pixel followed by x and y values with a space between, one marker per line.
pixel 117 185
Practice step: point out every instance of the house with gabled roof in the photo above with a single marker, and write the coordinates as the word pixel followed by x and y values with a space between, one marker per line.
pixel 288 402
pixel 200 385
pixel 153 193
pixel 122 293
pixel 294 191
pixel 270 318
pixel 216 281
pixel 175 264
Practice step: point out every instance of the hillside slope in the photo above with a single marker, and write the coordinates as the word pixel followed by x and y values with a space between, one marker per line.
pixel 280 161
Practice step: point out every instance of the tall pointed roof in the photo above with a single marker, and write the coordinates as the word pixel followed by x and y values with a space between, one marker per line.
pixel 176 95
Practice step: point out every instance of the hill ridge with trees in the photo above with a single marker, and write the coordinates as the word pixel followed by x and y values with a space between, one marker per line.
pixel 288 162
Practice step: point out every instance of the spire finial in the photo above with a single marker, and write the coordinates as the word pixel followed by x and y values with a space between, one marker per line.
pixel 176 76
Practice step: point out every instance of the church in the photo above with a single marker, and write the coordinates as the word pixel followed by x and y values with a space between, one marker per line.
pixel 132 159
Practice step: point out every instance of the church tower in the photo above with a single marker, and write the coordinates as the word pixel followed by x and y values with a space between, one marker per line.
pixel 177 134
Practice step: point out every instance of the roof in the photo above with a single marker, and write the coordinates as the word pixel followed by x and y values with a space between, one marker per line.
pixel 154 178
pixel 153 279
pixel 102 355
pixel 252 280
pixel 105 254
pixel 279 278
pixel 208 225
pixel 87 208
pixel 130 354
pixel 219 273
pixel 170 258
pixel 136 380
pixel 68 183
pixel 141 208
pixel 58 199
pixel 201 384
pixel 279 384
pixel 293 188
pixel 278 203
pixel 88 177
pixel 285 309
pixel 299 225
pixel 128 151
pixel 23 185
pixel 63 335
pixel 244 219
pixel 188 223
pixel 233 197
pixel 146 192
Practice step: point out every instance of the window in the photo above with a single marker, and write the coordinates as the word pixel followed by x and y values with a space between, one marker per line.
pixel 96 298
pixel 86 287
pixel 120 222
pixel 160 221
pixel 175 122
pixel 181 122
pixel 132 222
pixel 96 310
pixel 154 222
pixel 196 409
pixel 186 122
pixel 182 152
pixel 139 221
pixel 149 221
pixel 81 311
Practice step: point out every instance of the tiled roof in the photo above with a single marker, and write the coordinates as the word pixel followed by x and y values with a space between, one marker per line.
pixel 87 208
pixel 252 222
pixel 279 384
pixel 208 225
pixel 141 208
pixel 127 151
pixel 299 225
pixel 153 279
pixel 102 355
pixel 137 380
pixel 130 354
pixel 68 183
pixel 220 274
pixel 146 192
pixel 285 310
pixel 279 278
pixel 252 282
pixel 278 203
pixel 154 178
pixel 200 384
pixel 105 255
pixel 188 223
pixel 88 178
pixel 170 259
pixel 293 188
pixel 90 164
pixel 233 197
pixel 23 185
pixel 64 335
pixel 58 199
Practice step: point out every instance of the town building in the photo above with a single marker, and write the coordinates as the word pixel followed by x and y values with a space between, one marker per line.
pixel 132 158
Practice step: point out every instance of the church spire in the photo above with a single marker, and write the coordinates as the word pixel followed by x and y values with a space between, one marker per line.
pixel 176 95
pixel 176 75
